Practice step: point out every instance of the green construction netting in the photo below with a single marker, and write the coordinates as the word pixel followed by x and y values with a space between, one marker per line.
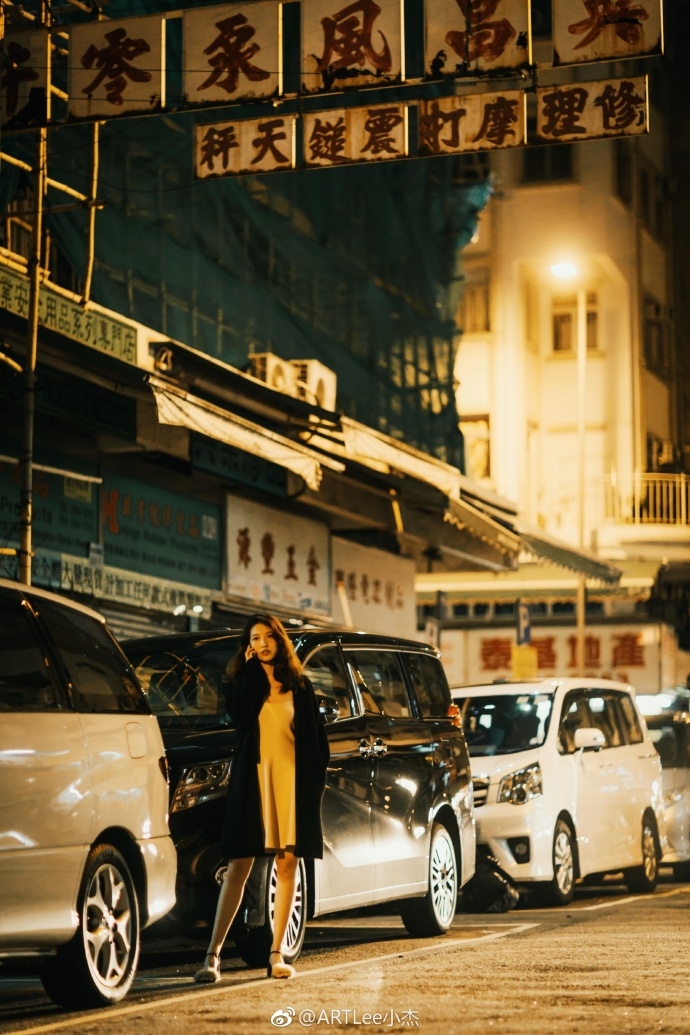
pixel 357 267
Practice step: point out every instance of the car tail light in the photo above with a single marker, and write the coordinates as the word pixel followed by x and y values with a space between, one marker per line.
pixel 454 715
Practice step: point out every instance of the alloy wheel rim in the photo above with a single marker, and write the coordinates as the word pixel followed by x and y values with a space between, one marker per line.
pixel 563 863
pixel 292 933
pixel 108 925
pixel 649 853
pixel 443 882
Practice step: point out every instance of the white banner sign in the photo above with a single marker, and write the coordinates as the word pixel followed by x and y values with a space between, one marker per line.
pixel 630 653
pixel 355 135
pixel 586 111
pixel 475 35
pixel 276 559
pixel 80 575
pixel 351 44
pixel 25 64
pixel 117 67
pixel 378 590
pixel 254 145
pixel 602 30
pixel 472 123
pixel 232 52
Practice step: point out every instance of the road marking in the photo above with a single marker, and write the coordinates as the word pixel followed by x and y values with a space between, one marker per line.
pixel 110 1012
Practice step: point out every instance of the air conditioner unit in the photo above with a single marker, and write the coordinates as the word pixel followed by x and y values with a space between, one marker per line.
pixel 276 372
pixel 315 382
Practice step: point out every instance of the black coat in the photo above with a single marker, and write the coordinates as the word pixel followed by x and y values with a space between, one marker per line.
pixel 243 834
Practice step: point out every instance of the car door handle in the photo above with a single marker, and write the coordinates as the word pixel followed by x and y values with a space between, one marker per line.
pixel 364 748
pixel 378 748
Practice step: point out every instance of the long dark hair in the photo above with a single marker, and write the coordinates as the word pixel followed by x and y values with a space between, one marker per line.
pixel 287 668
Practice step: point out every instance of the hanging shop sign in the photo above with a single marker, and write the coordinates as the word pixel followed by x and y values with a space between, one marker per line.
pixel 232 53
pixel 237 465
pixel 115 585
pixel 450 125
pixel 363 134
pixel 476 36
pixel 276 559
pixel 117 67
pixel 605 30
pixel 164 534
pixel 242 146
pixel 25 79
pixel 627 652
pixel 373 590
pixel 351 44
pixel 586 111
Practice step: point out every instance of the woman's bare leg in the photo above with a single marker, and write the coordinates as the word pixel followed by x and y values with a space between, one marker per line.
pixel 231 892
pixel 286 876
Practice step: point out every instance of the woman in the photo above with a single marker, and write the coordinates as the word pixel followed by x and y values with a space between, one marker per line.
pixel 277 780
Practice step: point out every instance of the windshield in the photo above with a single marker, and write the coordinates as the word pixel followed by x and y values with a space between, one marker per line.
pixel 506 723
pixel 185 687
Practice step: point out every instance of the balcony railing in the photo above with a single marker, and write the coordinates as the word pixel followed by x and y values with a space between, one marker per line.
pixel 648 499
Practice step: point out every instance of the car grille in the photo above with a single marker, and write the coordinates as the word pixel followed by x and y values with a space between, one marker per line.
pixel 480 790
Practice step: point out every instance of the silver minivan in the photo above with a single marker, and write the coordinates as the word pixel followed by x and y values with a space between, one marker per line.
pixel 86 858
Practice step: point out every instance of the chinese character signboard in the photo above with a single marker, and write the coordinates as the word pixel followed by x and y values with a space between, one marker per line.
pixel 599 30
pixel 253 145
pixel 630 653
pixel 130 587
pixel 232 52
pixel 351 44
pixel 378 587
pixel 472 123
pixel 24 78
pixel 164 534
pixel 117 67
pixel 584 111
pixel 475 36
pixel 277 559
pixel 362 134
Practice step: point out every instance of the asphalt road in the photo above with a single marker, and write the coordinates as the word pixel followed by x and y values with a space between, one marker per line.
pixel 609 963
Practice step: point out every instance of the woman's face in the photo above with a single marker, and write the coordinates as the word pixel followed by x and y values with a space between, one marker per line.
pixel 263 642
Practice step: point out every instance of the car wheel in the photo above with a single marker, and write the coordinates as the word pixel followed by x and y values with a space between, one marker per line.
pixel 254 943
pixel 97 966
pixel 560 890
pixel 433 914
pixel 643 879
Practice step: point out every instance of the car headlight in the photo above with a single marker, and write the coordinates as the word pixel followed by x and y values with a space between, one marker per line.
pixel 672 796
pixel 199 783
pixel 520 786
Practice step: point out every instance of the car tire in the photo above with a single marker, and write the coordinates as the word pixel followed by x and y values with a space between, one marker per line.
pixel 560 890
pixel 97 966
pixel 254 943
pixel 643 879
pixel 433 914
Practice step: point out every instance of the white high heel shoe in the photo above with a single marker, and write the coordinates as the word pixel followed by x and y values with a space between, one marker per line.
pixel 279 968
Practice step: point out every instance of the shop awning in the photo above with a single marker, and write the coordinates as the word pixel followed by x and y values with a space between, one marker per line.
pixel 175 406
pixel 545 547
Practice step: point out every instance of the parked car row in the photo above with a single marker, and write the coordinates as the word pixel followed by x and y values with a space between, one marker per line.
pixel 114 771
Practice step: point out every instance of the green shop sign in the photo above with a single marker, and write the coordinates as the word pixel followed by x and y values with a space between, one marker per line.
pixel 161 533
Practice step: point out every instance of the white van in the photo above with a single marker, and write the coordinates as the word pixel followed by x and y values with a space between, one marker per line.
pixel 86 859
pixel 566 782
pixel 667 715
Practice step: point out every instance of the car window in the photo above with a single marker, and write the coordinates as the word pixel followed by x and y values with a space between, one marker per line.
pixel 575 715
pixel 505 723
pixel 25 679
pixel 326 670
pixel 100 680
pixel 429 684
pixel 605 717
pixel 631 723
pixel 380 682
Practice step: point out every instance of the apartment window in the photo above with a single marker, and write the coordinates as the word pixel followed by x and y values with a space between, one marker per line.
pixel 474 308
pixel 624 171
pixel 475 433
pixel 655 336
pixel 564 322
pixel 541 164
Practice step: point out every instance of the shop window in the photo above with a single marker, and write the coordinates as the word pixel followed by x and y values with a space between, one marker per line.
pixel 564 323
pixel 503 610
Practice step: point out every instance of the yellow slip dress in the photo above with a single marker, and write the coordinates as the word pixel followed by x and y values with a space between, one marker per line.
pixel 276 769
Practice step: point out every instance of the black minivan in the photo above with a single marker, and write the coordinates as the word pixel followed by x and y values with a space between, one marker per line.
pixel 398 817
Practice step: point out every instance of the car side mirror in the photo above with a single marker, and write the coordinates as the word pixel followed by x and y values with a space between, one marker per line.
pixel 587 738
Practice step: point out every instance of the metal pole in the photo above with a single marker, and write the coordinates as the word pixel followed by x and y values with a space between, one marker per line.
pixel 91 233
pixel 581 458
pixel 26 459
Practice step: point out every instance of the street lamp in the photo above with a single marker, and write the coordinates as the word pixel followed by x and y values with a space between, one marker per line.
pixel 566 270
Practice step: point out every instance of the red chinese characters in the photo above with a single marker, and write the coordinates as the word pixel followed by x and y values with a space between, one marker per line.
pixel 611 107
pixel 350 45
pixel 116 67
